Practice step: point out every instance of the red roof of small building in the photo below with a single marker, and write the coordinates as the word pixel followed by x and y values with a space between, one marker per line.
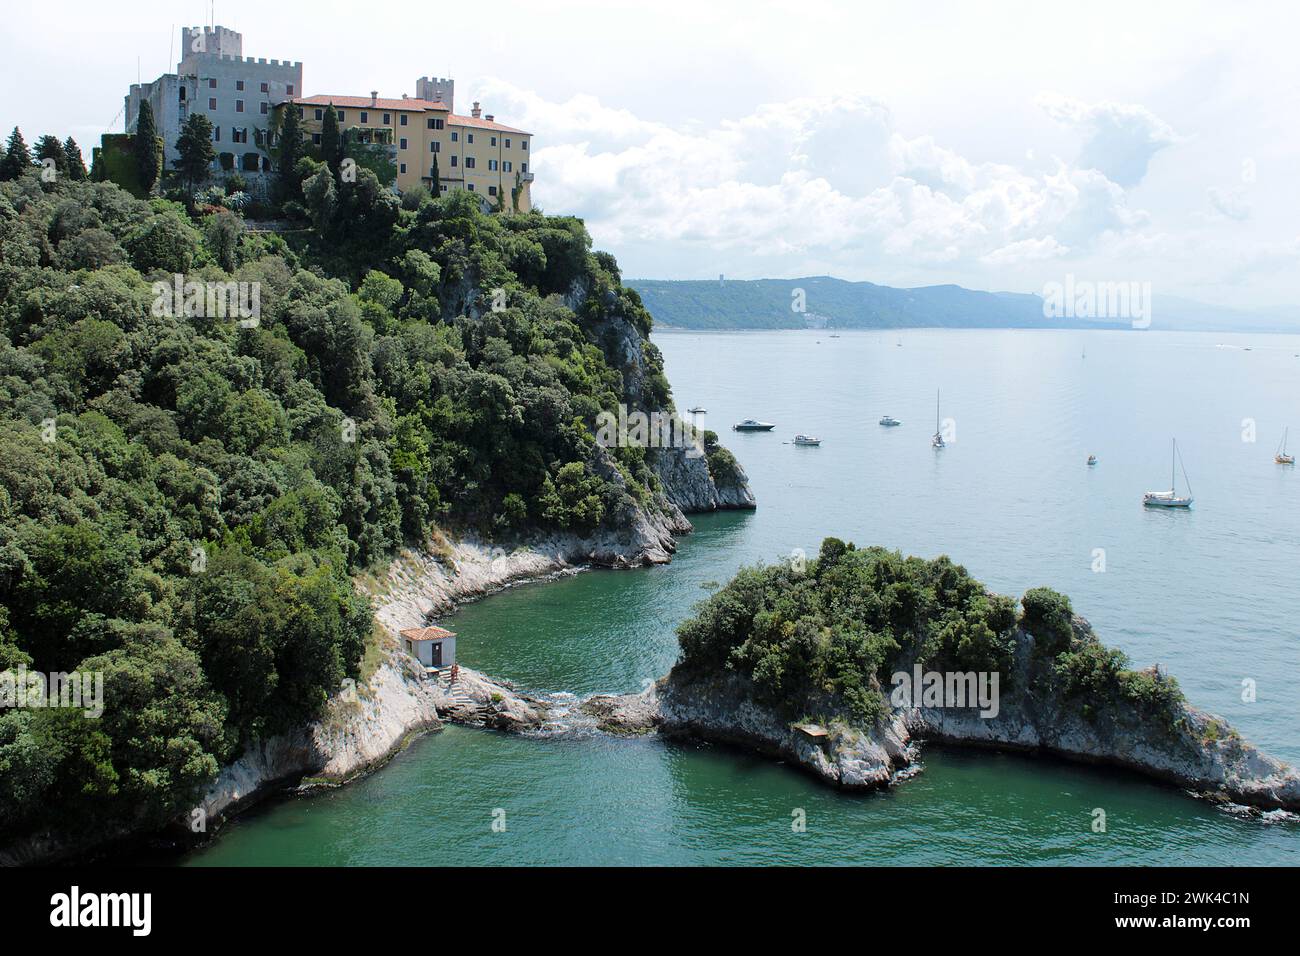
pixel 427 634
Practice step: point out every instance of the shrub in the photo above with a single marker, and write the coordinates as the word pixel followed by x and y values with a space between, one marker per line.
pixel 1047 616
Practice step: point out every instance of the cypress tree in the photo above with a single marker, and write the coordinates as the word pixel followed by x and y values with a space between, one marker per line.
pixel 290 153
pixel 331 143
pixel 147 148
pixel 437 180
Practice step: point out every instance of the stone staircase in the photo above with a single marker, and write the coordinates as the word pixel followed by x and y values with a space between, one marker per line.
pixel 453 689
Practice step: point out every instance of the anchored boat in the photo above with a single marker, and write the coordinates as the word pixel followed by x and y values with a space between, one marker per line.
pixel 750 425
pixel 807 440
pixel 1282 458
pixel 937 441
pixel 1171 498
pixel 889 421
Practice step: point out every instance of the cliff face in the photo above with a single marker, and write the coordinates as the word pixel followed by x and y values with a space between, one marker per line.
pixel 1194 750
pixel 686 481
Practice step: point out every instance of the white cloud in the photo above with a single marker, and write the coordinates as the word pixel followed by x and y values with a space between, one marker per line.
pixel 816 184
pixel 1230 203
pixel 1119 138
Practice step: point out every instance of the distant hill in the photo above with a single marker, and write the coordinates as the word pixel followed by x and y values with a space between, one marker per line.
pixel 839 304
pixel 836 303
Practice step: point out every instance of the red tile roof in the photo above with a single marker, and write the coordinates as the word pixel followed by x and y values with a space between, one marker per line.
pixel 411 104
pixel 456 120
pixel 365 102
pixel 427 634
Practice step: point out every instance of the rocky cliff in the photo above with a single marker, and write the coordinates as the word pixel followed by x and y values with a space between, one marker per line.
pixel 1193 749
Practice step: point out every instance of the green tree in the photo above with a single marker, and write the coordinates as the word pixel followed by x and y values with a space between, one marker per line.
pixel 17 159
pixel 72 156
pixel 436 189
pixel 49 147
pixel 223 230
pixel 290 152
pixel 147 146
pixel 196 153
pixel 331 141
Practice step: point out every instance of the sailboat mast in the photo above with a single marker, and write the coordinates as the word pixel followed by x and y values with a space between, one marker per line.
pixel 936 411
pixel 1173 459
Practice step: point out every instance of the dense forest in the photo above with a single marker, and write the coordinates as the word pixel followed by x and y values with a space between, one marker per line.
pixel 185 496
pixel 833 632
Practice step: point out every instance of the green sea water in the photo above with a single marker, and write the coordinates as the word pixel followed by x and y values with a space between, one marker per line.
pixel 1210 594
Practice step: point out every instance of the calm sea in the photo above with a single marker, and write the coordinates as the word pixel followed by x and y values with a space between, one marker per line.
pixel 1211 594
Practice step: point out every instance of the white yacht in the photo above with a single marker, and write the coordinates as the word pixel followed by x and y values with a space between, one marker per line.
pixel 750 425
pixel 807 440
pixel 889 421
pixel 1171 498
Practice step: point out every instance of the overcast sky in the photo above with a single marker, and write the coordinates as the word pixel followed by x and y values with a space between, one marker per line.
pixel 998 146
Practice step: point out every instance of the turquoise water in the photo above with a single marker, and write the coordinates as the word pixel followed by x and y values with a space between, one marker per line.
pixel 1210 594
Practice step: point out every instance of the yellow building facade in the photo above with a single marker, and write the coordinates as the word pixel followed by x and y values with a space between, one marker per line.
pixel 474 152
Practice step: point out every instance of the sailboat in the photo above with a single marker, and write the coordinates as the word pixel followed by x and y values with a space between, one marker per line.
pixel 1282 458
pixel 937 441
pixel 1171 498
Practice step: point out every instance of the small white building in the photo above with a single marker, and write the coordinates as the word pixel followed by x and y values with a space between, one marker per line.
pixel 434 647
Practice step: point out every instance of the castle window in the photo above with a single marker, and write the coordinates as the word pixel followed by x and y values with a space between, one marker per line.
pixel 492 190
pixel 453 159
pixel 212 82
pixel 402 167
pixel 402 119
pixel 288 88
pixel 507 142
pixel 315 138
pixel 469 137
pixel 212 103
pixel 506 165
pixel 320 114
pixel 239 106
pixel 401 143
pixel 455 136
pixel 523 167
pixel 341 116
pixel 469 186
pixel 239 86
pixel 265 106
pixel 492 165
pixel 435 147
pixel 266 87
pixel 388 119
pixel 493 142
pixel 469 162
pixel 523 144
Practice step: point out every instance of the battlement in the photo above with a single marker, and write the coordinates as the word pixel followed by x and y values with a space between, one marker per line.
pixel 436 90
